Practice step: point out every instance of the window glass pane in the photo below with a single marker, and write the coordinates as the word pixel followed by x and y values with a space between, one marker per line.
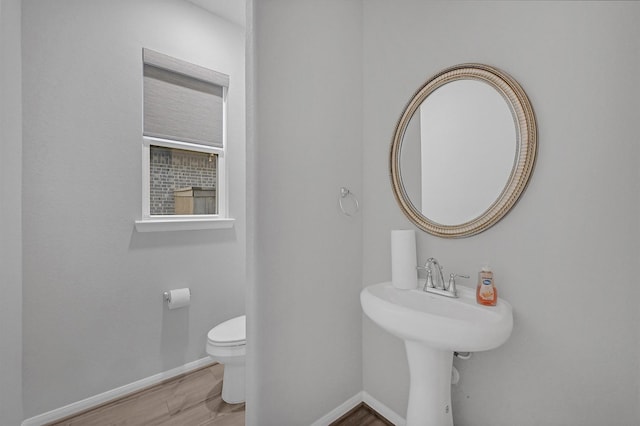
pixel 182 182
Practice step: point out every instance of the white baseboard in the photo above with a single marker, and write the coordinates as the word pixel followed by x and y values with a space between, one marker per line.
pixel 352 402
pixel 93 401
pixel 383 410
pixel 339 411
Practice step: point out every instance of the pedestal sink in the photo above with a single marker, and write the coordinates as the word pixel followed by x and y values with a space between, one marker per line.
pixel 433 327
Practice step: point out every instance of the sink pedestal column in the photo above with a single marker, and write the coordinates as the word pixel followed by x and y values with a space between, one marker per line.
pixel 430 389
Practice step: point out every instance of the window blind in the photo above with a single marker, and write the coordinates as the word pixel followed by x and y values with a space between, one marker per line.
pixel 183 101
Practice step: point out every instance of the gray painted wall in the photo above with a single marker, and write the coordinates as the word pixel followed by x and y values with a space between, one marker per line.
pixel 566 256
pixel 10 214
pixel 94 317
pixel 306 349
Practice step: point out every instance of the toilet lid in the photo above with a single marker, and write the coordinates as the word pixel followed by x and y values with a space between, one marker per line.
pixel 229 333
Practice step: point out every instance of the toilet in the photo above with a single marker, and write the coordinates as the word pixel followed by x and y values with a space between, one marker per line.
pixel 226 344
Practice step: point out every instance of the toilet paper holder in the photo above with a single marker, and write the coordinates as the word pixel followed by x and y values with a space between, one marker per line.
pixel 177 298
pixel 167 295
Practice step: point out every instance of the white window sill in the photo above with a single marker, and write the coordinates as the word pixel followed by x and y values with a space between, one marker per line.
pixel 183 224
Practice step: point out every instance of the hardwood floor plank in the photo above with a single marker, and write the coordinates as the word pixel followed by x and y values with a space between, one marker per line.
pixel 214 411
pixel 191 391
pixel 230 419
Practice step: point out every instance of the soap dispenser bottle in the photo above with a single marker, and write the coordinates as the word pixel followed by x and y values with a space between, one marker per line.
pixel 486 292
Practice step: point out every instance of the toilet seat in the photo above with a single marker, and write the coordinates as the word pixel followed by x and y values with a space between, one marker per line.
pixel 229 333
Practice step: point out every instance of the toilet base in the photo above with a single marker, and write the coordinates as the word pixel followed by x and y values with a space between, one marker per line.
pixel 233 383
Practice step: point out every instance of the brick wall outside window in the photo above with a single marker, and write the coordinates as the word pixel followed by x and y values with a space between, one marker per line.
pixel 173 169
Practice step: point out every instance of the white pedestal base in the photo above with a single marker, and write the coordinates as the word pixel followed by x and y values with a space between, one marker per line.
pixel 430 389
pixel 233 383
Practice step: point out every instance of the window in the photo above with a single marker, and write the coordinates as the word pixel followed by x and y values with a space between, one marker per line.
pixel 184 136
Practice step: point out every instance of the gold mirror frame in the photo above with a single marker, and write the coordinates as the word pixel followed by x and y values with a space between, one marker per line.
pixel 526 140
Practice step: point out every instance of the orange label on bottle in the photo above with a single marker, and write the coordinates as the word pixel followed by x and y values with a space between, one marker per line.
pixel 486 292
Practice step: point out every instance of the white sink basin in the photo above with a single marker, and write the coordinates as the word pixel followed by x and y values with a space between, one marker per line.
pixel 433 327
pixel 451 324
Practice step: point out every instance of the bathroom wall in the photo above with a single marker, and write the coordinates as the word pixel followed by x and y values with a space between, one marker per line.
pixel 566 256
pixel 306 351
pixel 94 317
pixel 10 214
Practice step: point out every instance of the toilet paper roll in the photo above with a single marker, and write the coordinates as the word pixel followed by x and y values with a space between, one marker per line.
pixel 404 274
pixel 178 298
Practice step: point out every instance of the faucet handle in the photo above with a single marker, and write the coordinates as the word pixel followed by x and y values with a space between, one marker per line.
pixel 429 281
pixel 452 282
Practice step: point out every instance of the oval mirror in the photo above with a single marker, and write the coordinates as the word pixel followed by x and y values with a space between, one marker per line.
pixel 463 150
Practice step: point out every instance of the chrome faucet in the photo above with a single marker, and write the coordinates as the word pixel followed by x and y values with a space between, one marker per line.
pixel 437 285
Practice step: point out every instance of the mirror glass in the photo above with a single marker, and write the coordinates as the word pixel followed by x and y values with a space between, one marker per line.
pixel 456 155
pixel 458 151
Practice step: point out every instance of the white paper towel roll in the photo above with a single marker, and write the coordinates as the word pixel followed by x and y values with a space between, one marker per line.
pixel 404 274
pixel 178 298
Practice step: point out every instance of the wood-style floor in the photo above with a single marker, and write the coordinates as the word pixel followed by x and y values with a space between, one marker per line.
pixel 362 415
pixel 192 399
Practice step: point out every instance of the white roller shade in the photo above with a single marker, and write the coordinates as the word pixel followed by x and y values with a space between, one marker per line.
pixel 183 101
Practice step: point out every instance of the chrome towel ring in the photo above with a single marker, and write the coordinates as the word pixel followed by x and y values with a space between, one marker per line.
pixel 344 193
